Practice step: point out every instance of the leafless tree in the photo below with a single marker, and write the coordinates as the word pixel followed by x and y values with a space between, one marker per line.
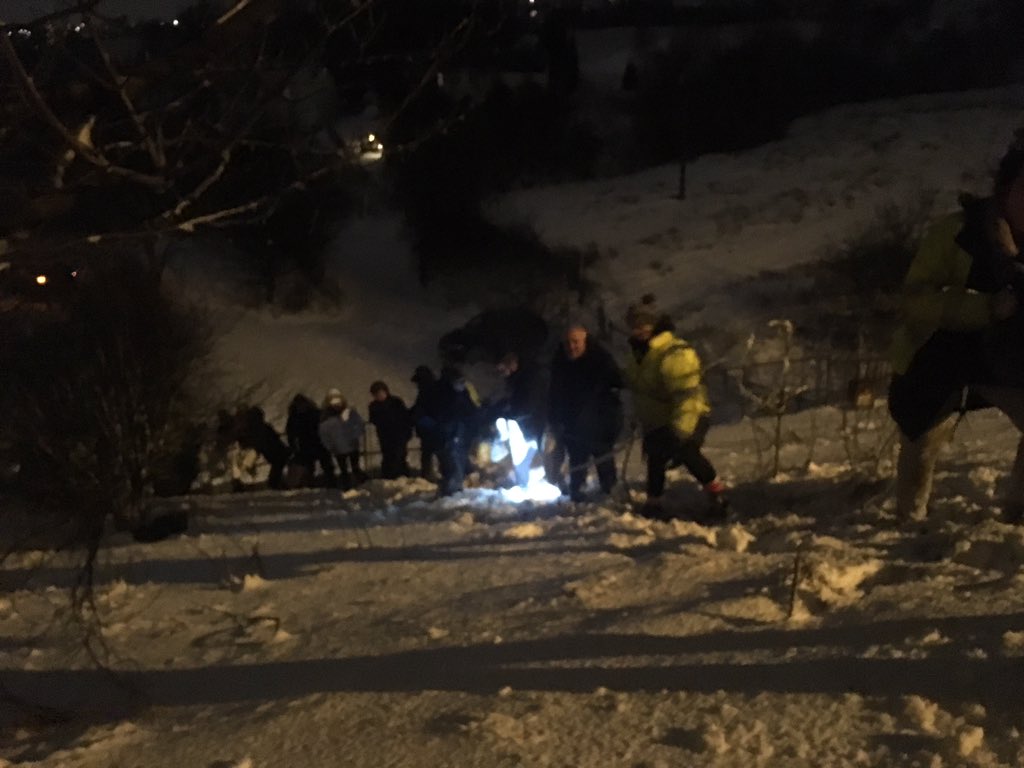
pixel 116 134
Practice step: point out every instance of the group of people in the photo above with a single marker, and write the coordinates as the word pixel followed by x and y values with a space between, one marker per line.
pixel 328 435
pixel 572 409
pixel 959 347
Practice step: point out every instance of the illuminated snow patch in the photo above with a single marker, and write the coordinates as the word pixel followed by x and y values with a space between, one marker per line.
pixel 536 487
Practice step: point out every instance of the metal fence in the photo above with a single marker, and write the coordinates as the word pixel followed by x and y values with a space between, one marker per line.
pixel 774 386
pixel 770 387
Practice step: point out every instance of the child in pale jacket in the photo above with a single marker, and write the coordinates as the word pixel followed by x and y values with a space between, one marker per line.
pixel 341 432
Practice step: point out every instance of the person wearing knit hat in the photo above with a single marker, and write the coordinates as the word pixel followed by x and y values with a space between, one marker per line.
pixel 642 313
pixel 671 404
pixel 341 432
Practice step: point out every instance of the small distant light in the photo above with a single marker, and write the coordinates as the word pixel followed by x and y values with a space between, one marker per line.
pixel 40 279
pixel 79 27
pixel 380 147
pixel 175 22
pixel 371 138
pixel 533 13
pixel 74 273
pixel 25 33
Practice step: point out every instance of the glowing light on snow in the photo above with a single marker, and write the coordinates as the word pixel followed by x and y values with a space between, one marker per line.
pixel 536 488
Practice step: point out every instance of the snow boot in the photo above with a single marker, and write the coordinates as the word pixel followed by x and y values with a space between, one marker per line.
pixel 718 501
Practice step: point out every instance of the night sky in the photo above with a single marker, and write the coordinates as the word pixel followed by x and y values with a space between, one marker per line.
pixel 22 10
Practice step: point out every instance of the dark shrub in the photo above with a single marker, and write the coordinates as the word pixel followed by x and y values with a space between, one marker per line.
pixel 100 398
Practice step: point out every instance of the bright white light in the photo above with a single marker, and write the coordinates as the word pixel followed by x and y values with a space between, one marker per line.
pixel 537 488
pixel 371 138
pixel 175 22
pixel 509 432
pixel 40 279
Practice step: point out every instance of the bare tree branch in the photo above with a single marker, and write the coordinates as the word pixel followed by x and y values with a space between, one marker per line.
pixel 32 96
pixel 118 82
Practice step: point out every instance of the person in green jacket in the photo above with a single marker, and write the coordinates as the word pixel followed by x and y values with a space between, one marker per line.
pixel 670 401
pixel 960 345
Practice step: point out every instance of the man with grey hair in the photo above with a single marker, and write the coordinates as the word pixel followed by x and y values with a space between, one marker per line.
pixel 584 410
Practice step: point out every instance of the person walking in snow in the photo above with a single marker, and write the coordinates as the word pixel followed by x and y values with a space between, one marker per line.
pixel 341 431
pixel 303 432
pixel 584 410
pixel 960 343
pixel 393 423
pixel 671 403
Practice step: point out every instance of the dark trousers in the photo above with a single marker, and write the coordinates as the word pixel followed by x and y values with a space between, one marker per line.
pixel 580 453
pixel 349 470
pixel 427 461
pixel 430 448
pixel 277 461
pixel 309 460
pixel 664 448
pixel 452 458
pixel 393 460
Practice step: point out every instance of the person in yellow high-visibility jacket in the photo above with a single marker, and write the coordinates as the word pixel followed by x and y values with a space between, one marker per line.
pixel 960 345
pixel 670 401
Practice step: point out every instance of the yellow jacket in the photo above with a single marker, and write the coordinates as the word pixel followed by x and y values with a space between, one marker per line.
pixel 667 386
pixel 935 293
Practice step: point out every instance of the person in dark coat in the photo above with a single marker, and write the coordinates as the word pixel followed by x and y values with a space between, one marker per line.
pixel 255 433
pixel 424 423
pixel 450 405
pixel 303 433
pixel 584 409
pixel 393 422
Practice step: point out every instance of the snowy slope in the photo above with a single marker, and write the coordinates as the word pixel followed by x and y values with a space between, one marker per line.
pixel 384 628
pixel 776 206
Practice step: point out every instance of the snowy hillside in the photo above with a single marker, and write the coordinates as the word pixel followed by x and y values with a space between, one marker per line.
pixel 774 207
pixel 385 628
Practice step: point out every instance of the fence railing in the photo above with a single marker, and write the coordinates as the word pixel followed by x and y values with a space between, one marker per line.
pixel 769 387
pixel 764 388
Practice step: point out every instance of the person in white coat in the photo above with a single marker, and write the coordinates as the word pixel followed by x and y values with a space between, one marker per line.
pixel 341 432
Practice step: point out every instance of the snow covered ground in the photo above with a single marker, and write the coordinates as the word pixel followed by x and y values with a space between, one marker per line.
pixel 383 628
